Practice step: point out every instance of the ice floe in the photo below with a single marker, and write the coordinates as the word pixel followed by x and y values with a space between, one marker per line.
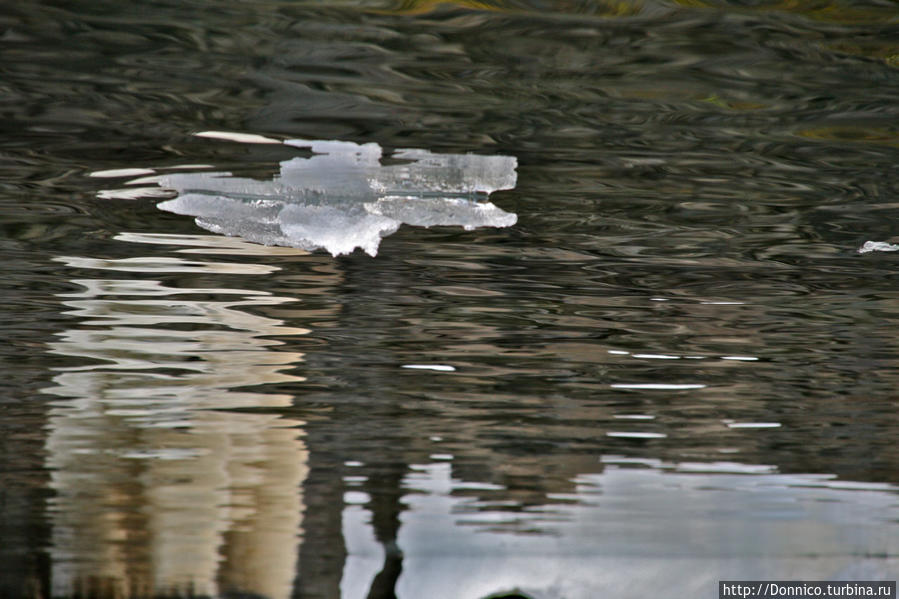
pixel 343 197
pixel 877 246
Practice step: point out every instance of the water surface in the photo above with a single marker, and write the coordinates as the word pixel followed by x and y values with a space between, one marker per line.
pixel 674 368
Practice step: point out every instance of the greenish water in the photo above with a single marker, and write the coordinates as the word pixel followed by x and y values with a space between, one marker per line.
pixel 675 367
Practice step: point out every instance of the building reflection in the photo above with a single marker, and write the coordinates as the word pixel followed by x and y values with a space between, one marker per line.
pixel 636 529
pixel 170 481
pixel 166 484
pixel 160 488
pixel 449 489
pixel 386 420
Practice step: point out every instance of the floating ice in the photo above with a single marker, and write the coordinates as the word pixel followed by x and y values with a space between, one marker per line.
pixel 663 386
pixel 343 198
pixel 635 435
pixel 437 367
pixel 877 246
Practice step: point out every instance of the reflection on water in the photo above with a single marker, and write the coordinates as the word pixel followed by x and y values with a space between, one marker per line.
pixel 158 487
pixel 630 531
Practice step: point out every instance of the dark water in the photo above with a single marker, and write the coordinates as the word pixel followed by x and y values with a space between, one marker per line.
pixel 675 368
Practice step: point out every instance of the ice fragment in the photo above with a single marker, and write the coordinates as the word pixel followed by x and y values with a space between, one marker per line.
pixel 343 198
pixel 877 246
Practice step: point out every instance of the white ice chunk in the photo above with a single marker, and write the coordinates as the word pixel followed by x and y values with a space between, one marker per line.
pixel 343 198
pixel 246 138
pixel 877 246
pixel 122 172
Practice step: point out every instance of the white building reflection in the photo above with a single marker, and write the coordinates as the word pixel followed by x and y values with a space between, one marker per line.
pixel 158 488
pixel 640 528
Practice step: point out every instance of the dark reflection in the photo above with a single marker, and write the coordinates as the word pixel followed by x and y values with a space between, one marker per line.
pixel 385 507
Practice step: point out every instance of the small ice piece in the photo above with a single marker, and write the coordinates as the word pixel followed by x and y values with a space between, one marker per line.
pixel 437 367
pixel 753 425
pixel 245 138
pixel 122 172
pixel 659 386
pixel 342 197
pixel 877 246
pixel 635 435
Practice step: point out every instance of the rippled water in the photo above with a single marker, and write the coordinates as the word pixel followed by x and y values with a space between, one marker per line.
pixel 675 368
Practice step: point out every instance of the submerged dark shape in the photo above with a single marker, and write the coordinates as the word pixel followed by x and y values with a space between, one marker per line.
pixel 343 198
